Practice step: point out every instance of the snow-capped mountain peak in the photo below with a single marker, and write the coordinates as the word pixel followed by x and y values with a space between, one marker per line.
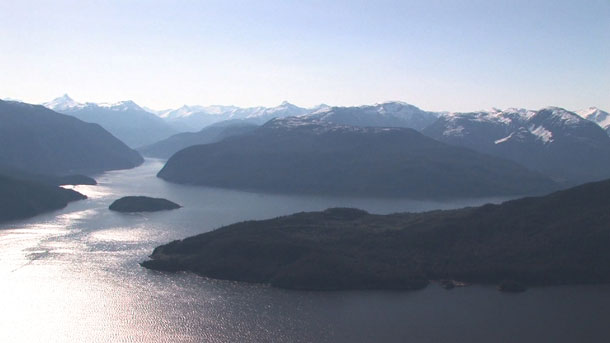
pixel 122 106
pixel 594 114
pixel 319 107
pixel 63 103
pixel 589 112
pixel 560 115
pixel 285 106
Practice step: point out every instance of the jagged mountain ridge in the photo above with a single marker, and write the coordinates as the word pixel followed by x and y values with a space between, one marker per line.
pixel 388 114
pixel 554 141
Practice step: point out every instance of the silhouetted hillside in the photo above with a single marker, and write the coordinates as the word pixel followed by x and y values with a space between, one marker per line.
pixel 54 180
pixel 561 238
pixel 296 155
pixel 23 199
pixel 40 141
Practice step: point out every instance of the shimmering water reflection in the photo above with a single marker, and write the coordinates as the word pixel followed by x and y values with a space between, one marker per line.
pixel 73 276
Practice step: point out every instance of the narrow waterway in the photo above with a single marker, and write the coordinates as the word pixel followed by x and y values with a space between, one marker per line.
pixel 73 276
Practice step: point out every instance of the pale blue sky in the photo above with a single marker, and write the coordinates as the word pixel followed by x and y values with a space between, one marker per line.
pixel 438 55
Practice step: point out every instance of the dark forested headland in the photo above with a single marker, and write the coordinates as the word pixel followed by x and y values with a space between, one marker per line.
pixel 561 238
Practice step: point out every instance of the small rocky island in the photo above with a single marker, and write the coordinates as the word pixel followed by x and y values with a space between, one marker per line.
pixel 142 204
pixel 561 238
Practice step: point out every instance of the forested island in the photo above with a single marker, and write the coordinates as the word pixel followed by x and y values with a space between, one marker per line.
pixel 142 204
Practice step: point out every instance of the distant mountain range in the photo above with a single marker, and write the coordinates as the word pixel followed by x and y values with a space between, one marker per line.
pixel 194 118
pixel 554 141
pixel 392 114
pixel 570 147
pixel 309 155
pixel 125 120
pixel 40 141
pixel 389 114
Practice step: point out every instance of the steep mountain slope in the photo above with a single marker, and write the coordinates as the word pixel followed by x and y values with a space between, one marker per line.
pixel 41 141
pixel 210 134
pixel 389 114
pixel 561 238
pixel 300 155
pixel 594 114
pixel 125 120
pixel 553 141
pixel 23 199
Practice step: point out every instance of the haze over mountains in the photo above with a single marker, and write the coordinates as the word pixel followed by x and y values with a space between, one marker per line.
pixel 41 141
pixel 125 120
pixel 196 117
pixel 570 148
pixel 210 134
pixel 391 114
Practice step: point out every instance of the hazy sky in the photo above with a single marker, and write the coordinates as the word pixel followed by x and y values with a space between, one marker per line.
pixel 438 55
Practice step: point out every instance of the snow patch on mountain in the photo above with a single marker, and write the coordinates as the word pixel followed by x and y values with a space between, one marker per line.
pixel 542 134
pixel 457 130
pixel 505 139
pixel 317 126
pixel 564 116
